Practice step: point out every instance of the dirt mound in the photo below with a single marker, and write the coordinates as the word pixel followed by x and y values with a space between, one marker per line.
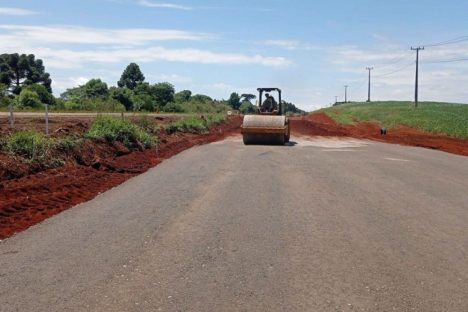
pixel 33 198
pixel 321 124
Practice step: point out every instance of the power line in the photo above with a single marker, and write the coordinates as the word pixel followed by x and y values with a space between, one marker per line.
pixel 393 62
pixel 363 82
pixel 446 61
pixel 451 41
pixel 395 71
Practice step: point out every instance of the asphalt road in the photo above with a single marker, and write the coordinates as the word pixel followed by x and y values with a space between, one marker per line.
pixel 324 225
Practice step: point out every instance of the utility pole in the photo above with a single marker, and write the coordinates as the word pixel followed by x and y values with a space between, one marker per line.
pixel 417 72
pixel 368 89
pixel 336 99
pixel 346 94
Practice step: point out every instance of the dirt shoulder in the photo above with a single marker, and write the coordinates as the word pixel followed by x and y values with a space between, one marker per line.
pixel 30 194
pixel 323 125
pixel 93 169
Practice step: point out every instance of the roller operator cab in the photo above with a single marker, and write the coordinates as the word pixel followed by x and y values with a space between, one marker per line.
pixel 268 126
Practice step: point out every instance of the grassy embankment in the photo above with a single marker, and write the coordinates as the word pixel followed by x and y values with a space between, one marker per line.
pixel 434 117
pixel 35 147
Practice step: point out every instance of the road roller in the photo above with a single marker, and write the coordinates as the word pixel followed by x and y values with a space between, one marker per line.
pixel 268 126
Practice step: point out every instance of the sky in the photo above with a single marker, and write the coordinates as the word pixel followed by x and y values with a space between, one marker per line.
pixel 309 49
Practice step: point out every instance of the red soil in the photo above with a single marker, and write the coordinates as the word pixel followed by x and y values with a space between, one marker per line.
pixel 29 200
pixel 321 124
pixel 95 168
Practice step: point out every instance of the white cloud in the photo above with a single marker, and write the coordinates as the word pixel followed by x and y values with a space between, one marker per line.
pixel 290 44
pixel 65 58
pixel 394 70
pixel 160 5
pixel 70 82
pixel 84 35
pixel 172 78
pixel 16 11
pixel 51 43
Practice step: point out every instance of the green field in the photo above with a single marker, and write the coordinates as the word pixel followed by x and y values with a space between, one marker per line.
pixel 442 118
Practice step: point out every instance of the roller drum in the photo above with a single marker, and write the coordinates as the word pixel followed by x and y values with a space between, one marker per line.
pixel 265 130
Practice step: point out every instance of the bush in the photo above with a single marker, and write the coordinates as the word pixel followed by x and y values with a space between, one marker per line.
pixel 28 144
pixel 247 108
pixel 191 124
pixel 123 95
pixel 5 101
pixel 44 95
pixel 114 129
pixel 173 108
pixel 145 123
pixel 215 119
pixel 95 105
pixel 28 98
pixel 195 124
pixel 67 144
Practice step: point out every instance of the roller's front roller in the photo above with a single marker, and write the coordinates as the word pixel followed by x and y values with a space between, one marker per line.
pixel 265 130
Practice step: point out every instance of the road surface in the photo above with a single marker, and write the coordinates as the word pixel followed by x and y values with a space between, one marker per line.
pixel 322 225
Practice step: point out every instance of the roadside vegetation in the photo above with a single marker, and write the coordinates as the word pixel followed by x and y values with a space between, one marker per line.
pixel 28 144
pixel 195 124
pixel 39 151
pixel 440 118
pixel 115 129
pixel 34 149
pixel 26 86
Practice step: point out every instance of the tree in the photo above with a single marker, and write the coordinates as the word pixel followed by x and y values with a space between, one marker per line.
pixel 248 97
pixel 142 98
pixel 183 96
pixel 247 108
pixel 163 93
pixel 143 102
pixel 73 93
pixel 123 95
pixel 291 108
pixel 95 88
pixel 234 101
pixel 18 70
pixel 4 99
pixel 201 98
pixel 44 95
pixel 131 77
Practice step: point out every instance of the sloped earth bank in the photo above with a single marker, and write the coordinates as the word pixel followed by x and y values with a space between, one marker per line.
pixel 29 200
pixel 323 125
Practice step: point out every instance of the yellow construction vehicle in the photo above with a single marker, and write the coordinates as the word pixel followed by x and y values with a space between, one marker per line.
pixel 269 126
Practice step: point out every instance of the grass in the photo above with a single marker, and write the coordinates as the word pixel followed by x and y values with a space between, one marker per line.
pixel 435 117
pixel 28 144
pixel 67 144
pixel 195 124
pixel 115 129
pixel 36 147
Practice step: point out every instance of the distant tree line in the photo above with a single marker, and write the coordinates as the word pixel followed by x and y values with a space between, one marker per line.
pixel 24 83
pixel 243 103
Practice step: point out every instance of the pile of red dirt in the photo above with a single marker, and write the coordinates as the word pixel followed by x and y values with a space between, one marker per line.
pixel 323 125
pixel 29 200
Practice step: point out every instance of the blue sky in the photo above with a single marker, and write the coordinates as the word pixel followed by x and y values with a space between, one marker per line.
pixel 310 49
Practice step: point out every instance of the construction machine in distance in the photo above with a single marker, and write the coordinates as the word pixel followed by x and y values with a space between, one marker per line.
pixel 269 126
